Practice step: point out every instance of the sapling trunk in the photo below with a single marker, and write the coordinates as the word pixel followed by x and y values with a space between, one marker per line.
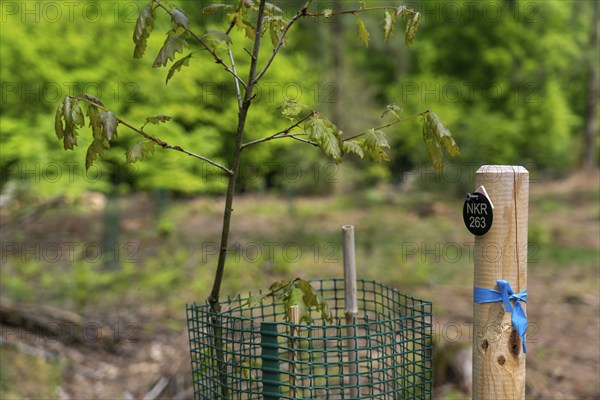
pixel 235 167
pixel 227 212
pixel 214 296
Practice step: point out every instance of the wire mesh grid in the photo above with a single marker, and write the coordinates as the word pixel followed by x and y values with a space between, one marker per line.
pixel 250 352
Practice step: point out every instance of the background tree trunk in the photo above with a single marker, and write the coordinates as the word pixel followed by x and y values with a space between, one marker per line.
pixel 589 151
pixel 337 48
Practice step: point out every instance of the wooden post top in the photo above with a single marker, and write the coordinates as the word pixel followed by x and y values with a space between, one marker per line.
pixel 490 169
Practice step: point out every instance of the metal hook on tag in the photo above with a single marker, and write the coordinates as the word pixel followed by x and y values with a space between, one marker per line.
pixel 472 196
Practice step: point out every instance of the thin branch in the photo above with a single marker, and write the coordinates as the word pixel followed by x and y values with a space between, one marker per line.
pixel 280 134
pixel 286 132
pixel 238 91
pixel 231 25
pixel 355 11
pixel 284 136
pixel 295 137
pixel 158 141
pixel 217 58
pixel 212 52
pixel 301 13
pixel 234 20
pixel 386 125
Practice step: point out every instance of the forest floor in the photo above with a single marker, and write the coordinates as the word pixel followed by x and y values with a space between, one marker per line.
pixel 128 336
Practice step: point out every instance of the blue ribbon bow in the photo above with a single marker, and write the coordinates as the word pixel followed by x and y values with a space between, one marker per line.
pixel 505 295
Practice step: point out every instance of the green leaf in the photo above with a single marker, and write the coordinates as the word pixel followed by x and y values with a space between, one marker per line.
pixel 67 112
pixel 245 367
pixel 243 24
pixel 248 4
pixel 179 17
pixel 93 99
pixel 388 25
pixel 109 125
pixel 217 39
pixel 442 133
pixel 77 115
pixel 376 138
pixel 95 150
pixel 273 28
pixel 300 293
pixel 450 145
pixel 434 151
pixel 411 29
pixel 274 25
pixel 215 8
pixel 58 122
pixel 243 17
pixel 291 109
pixel 143 29
pixel 315 128
pixel 140 151
pixel 326 135
pixel 176 67
pixel 436 135
pixel 174 44
pixel 70 140
pixel 352 146
pixel 328 12
pixel 295 298
pixel 363 33
pixel 374 143
pixel 274 35
pixel 309 296
pixel 70 128
pixel 276 286
pixel 402 11
pixel 157 119
pixel 392 109
pixel 331 146
pixel 95 123
pixel 271 8
pixel 312 298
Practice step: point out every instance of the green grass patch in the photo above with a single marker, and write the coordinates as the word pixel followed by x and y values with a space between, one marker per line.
pixel 560 256
pixel 42 376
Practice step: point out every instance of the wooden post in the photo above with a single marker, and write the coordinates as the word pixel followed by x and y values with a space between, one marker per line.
pixel 350 307
pixel 498 358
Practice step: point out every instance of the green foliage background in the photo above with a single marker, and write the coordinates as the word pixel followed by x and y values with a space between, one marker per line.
pixel 507 77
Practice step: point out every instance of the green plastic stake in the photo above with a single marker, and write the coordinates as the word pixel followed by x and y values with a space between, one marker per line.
pixel 271 379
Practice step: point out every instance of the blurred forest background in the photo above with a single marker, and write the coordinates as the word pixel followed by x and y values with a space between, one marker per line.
pixel 125 247
pixel 510 79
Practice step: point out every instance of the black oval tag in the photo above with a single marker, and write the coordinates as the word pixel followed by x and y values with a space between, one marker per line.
pixel 478 214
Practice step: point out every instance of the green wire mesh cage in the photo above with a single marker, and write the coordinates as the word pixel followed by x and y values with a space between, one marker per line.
pixel 251 352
